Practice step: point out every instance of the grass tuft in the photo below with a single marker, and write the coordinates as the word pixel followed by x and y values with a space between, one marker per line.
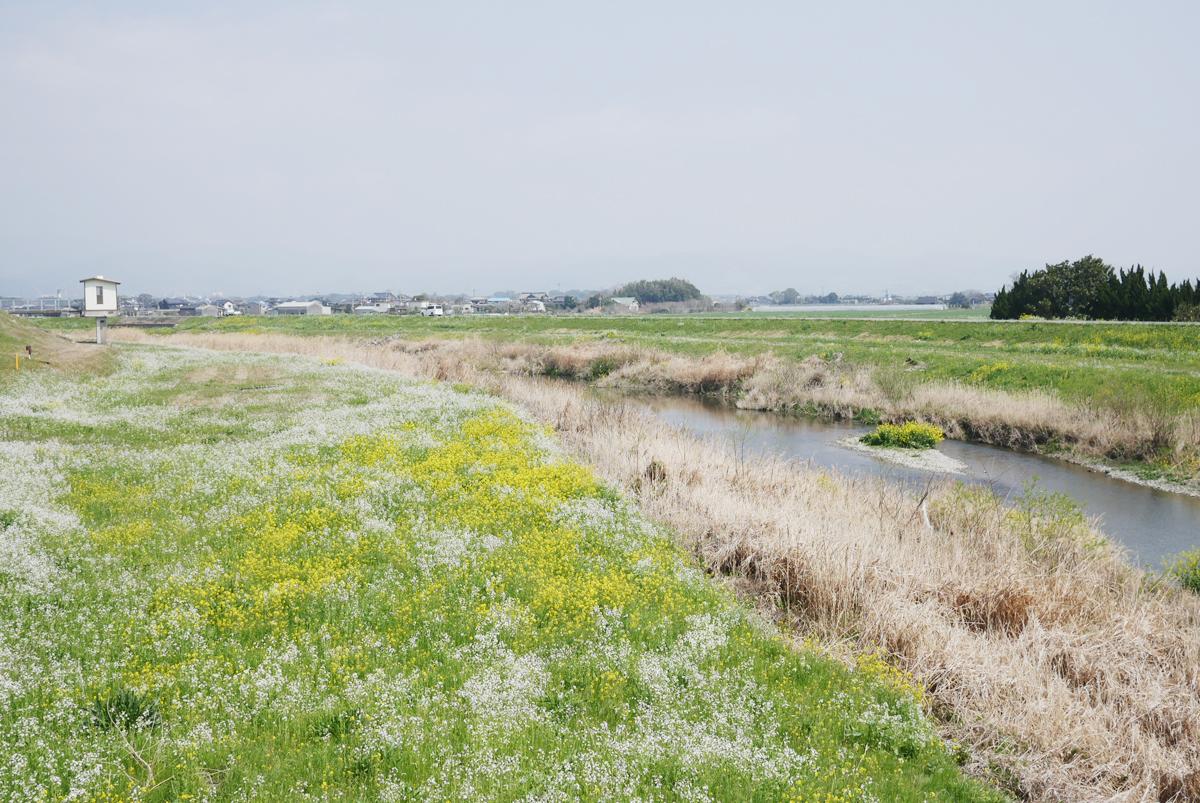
pixel 1186 569
pixel 125 709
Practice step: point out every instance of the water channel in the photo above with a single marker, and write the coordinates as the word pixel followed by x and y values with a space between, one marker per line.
pixel 1150 523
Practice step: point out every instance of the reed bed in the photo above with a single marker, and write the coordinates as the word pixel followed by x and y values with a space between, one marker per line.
pixel 1064 672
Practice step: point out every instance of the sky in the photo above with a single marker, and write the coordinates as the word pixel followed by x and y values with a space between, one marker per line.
pixel 853 147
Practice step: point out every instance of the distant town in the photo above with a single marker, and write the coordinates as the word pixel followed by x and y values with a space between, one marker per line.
pixel 658 296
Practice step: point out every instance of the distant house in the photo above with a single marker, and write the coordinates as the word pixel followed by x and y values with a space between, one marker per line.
pixel 377 308
pixel 209 311
pixel 257 308
pixel 625 304
pixel 174 303
pixel 302 308
pixel 533 305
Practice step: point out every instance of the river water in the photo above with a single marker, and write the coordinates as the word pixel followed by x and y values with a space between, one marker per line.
pixel 1151 524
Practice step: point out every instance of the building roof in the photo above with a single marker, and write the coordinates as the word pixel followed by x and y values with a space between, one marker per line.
pixel 297 303
pixel 625 300
pixel 98 277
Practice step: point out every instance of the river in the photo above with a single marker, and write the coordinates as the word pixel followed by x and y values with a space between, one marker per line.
pixel 1150 523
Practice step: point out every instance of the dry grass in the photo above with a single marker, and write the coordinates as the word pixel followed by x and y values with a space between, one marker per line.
pixel 1017 420
pixel 50 350
pixel 1066 673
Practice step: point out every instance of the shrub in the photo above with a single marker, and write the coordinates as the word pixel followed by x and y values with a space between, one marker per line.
pixel 1186 569
pixel 909 435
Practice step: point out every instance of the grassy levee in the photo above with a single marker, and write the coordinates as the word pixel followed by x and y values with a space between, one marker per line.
pixel 1064 672
pixel 233 577
pixel 50 350
pixel 1124 393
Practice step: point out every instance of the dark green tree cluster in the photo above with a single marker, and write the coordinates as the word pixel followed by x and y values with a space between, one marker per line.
pixel 1091 289
pixel 659 291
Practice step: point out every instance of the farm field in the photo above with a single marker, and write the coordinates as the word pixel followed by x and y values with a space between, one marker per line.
pixel 270 577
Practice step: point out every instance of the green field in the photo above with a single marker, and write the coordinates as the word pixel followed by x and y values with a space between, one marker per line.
pixel 247 577
pixel 1121 366
pixel 957 314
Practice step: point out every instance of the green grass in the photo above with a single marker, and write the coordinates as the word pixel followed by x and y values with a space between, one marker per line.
pixel 1186 569
pixel 973 314
pixel 909 435
pixel 248 577
pixel 1125 367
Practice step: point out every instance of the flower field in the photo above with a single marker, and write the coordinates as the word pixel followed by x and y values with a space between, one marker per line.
pixel 235 577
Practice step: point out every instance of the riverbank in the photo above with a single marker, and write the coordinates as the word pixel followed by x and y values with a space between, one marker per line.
pixel 1147 446
pixel 1063 671
pixel 265 577
pixel 1127 369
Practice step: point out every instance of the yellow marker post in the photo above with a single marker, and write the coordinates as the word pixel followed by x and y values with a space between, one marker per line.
pixel 18 356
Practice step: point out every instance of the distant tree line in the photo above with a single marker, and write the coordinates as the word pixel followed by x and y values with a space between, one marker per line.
pixel 1092 289
pixel 660 291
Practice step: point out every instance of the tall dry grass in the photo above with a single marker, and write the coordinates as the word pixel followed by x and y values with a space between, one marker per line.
pixel 1066 673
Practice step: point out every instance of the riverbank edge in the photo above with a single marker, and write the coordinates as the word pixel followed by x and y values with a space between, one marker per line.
pixel 1124 472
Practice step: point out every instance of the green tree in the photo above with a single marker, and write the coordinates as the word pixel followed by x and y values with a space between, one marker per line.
pixel 1089 288
pixel 659 291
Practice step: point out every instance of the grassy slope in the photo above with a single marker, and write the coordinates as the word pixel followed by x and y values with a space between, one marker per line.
pixel 49 350
pixel 303 580
pixel 1123 366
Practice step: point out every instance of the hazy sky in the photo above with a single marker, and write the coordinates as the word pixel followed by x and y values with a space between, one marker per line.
pixel 293 147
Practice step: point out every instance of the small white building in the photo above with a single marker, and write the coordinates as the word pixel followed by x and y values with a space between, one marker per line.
pixel 208 311
pixel 99 297
pixel 302 308
pixel 257 308
pixel 625 304
pixel 373 309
